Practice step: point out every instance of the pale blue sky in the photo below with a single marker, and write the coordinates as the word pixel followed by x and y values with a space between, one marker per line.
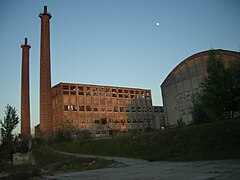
pixel 111 42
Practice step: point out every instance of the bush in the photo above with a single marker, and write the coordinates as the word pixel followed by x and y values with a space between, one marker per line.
pixel 81 134
pixel 63 135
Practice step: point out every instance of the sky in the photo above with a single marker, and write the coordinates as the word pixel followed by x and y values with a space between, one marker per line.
pixel 110 42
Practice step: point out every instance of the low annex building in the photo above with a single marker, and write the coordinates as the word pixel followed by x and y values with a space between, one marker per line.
pixel 104 109
pixel 184 81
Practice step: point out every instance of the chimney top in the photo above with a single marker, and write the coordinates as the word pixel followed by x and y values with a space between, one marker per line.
pixel 45 9
pixel 45 12
pixel 25 44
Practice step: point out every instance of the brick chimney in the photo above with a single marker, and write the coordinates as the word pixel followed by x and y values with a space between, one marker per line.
pixel 46 124
pixel 25 105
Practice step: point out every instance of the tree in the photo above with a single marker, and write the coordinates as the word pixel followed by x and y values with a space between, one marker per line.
pixel 7 126
pixel 198 112
pixel 220 93
pixel 234 93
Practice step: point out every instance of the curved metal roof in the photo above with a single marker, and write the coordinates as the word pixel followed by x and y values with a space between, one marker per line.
pixel 200 54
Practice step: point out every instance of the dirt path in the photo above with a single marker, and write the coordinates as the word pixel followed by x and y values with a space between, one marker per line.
pixel 141 169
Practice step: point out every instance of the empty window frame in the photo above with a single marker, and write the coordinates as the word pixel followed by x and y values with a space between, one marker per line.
pixel 144 109
pixel 65 92
pixel 73 92
pixel 95 109
pixel 125 91
pixel 139 109
pixel 120 90
pixel 65 87
pixel 120 95
pixel 80 88
pixel 101 94
pixel 133 109
pixel 115 109
pixel 122 109
pixel 149 109
pixel 95 91
pixel 97 121
pixel 65 107
pixel 74 108
pixel 147 93
pixel 123 121
pixel 127 109
pixel 80 93
pixel 88 108
pixel 101 90
pixel 70 108
pixel 81 108
pixel 73 88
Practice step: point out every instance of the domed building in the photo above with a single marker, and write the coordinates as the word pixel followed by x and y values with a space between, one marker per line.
pixel 184 81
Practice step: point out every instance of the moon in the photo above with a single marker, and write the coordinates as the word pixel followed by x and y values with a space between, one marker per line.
pixel 158 24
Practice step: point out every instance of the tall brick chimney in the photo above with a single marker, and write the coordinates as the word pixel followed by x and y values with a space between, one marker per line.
pixel 25 105
pixel 46 124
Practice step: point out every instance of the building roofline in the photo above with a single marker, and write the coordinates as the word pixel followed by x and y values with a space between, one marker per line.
pixel 100 86
pixel 197 55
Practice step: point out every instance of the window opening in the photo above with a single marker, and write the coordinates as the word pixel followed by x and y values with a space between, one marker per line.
pixel 88 108
pixel 73 88
pixel 73 93
pixel 82 108
pixel 115 109
pixel 65 92
pixel 80 88
pixel 80 93
pixel 66 87
pixel 121 109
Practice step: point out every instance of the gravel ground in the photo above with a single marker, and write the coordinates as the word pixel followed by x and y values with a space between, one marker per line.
pixel 140 169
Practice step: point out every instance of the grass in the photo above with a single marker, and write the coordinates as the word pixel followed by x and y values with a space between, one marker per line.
pixel 50 162
pixel 218 140
pixel 212 141
pixel 53 162
pixel 44 155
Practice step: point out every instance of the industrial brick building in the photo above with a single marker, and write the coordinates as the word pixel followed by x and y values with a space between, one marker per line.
pixel 100 109
pixel 184 81
pixel 104 109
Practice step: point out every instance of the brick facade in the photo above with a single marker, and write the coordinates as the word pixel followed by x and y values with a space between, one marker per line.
pixel 102 109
